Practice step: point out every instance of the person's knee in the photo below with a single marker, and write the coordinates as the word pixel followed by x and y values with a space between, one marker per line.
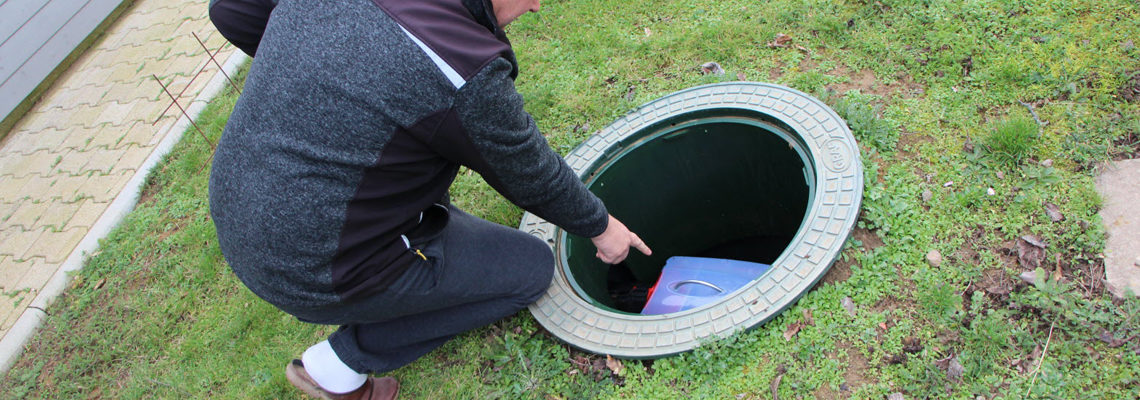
pixel 540 269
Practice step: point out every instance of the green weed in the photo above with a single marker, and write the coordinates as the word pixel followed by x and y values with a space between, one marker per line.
pixel 1012 140
pixel 868 127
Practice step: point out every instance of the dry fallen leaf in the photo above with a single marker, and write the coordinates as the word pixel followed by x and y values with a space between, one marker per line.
pixel 955 370
pixel 740 76
pixel 808 320
pixel 781 41
pixel 1030 252
pixel 792 330
pixel 1034 240
pixel 1109 339
pixel 1029 277
pixel 1057 275
pixel 1054 212
pixel 775 385
pixel 912 345
pixel 848 305
pixel 614 365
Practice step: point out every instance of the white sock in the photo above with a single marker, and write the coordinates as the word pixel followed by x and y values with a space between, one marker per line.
pixel 323 365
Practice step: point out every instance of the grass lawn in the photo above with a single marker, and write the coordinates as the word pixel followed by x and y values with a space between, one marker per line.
pixel 981 125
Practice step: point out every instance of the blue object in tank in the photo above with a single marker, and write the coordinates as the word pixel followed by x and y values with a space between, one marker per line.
pixel 690 282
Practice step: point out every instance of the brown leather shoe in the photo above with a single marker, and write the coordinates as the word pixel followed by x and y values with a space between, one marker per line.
pixel 385 388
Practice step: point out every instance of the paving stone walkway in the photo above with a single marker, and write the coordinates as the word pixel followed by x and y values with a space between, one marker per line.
pixel 1119 185
pixel 71 155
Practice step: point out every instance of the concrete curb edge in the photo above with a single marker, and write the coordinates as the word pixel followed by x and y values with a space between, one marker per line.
pixel 12 345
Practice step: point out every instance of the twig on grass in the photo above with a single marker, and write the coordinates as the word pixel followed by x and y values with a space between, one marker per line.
pixel 1034 114
pixel 1042 360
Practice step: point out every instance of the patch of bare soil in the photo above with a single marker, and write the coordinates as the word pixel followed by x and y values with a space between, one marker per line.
pixel 854 377
pixel 775 73
pixel 856 374
pixel 909 143
pixel 871 240
pixel 146 195
pixel 1127 147
pixel 890 303
pixel 841 270
pixel 866 82
pixel 825 392
pixel 1130 90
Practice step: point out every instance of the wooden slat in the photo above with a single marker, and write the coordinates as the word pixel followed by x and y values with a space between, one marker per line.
pixel 20 78
pixel 40 29
pixel 13 15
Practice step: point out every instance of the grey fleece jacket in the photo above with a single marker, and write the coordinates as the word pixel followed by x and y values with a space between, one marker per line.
pixel 355 117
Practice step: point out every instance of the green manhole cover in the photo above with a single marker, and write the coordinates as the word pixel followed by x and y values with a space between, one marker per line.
pixel 747 171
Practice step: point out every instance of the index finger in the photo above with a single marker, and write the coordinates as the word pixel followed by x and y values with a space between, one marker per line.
pixel 640 245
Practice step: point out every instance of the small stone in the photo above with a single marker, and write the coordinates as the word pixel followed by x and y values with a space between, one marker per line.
pixel 934 258
pixel 1047 163
pixel 1136 262
pixel 948 184
pixel 1029 277
pixel 896 396
pixel 990 192
pixel 848 305
pixel 712 68
pixel 927 195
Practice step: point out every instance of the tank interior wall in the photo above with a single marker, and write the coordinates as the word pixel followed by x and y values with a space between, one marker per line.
pixel 716 187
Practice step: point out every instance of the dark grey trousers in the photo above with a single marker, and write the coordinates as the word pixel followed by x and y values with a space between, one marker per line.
pixel 477 272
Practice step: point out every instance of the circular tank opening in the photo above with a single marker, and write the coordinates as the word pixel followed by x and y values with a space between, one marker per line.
pixel 725 183
pixel 739 170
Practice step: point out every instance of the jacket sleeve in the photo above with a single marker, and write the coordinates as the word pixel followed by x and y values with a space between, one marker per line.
pixel 499 140
pixel 242 22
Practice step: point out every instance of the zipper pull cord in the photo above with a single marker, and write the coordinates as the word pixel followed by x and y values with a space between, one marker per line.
pixel 420 253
